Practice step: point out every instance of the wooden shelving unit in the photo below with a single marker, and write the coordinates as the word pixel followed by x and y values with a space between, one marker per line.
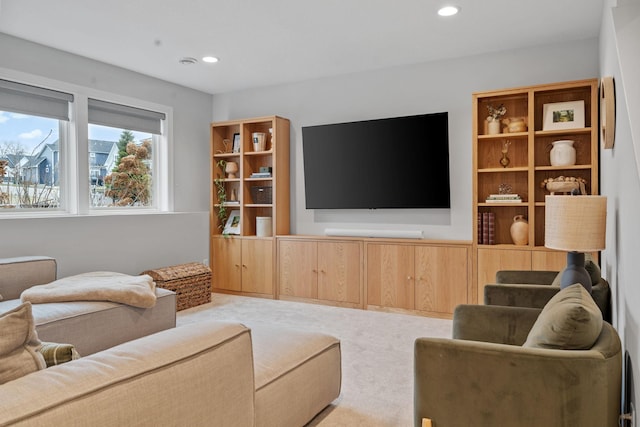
pixel 245 262
pixel 529 165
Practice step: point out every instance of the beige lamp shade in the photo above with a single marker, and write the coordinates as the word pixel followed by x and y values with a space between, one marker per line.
pixel 575 223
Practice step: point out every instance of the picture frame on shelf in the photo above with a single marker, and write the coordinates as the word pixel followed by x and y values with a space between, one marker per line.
pixel 236 142
pixel 563 115
pixel 233 223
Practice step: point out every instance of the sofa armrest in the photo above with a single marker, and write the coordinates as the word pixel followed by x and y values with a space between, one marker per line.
pixel 20 273
pixel 464 383
pixel 519 295
pixel 534 277
pixel 496 324
pixel 194 375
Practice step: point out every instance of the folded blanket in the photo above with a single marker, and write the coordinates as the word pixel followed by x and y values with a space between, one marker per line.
pixel 138 291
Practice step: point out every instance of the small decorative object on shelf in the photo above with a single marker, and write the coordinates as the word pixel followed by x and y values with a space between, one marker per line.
pixel 495 116
pixel 504 161
pixel 504 188
pixel 259 141
pixel 520 230
pixel 516 124
pixel 231 168
pixel 565 184
pixel 233 223
pixel 236 142
pixel 563 115
pixel 563 153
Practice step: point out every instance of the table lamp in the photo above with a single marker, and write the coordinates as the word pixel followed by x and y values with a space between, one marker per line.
pixel 576 224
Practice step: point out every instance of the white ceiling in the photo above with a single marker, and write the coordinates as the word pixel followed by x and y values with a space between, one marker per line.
pixel 266 42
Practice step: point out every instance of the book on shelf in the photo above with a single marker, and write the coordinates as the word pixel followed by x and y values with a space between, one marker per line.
pixel 486 228
pixel 231 203
pixel 503 198
pixel 260 175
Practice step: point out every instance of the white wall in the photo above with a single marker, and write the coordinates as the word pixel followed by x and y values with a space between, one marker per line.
pixel 129 243
pixel 418 89
pixel 620 181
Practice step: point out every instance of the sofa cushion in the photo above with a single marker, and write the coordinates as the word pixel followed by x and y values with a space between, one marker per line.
pixel 571 320
pixel 18 344
pixel 57 354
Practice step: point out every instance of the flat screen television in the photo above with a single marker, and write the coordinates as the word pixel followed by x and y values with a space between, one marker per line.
pixel 400 162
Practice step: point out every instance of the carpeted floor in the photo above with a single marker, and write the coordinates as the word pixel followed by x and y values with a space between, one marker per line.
pixel 377 352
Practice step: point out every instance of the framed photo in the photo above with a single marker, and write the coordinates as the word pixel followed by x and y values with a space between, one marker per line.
pixel 563 115
pixel 236 142
pixel 233 223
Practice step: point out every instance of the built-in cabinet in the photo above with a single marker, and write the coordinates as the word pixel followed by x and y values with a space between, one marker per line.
pixel 429 278
pixel 514 159
pixel 322 270
pixel 249 180
pixel 422 277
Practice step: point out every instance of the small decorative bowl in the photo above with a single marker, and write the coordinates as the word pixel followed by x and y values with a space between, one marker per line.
pixel 563 186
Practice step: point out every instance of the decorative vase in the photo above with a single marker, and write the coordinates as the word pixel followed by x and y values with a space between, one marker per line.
pixel 231 169
pixel 259 141
pixel 520 230
pixel 493 127
pixel 563 153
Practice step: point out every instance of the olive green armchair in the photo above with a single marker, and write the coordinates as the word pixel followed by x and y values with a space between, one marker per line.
pixel 485 377
pixel 523 288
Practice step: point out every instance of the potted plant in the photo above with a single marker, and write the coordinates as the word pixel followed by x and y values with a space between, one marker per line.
pixel 221 193
pixel 495 115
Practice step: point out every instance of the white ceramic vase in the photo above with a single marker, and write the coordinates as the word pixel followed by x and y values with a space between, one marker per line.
pixel 563 153
pixel 520 230
pixel 493 127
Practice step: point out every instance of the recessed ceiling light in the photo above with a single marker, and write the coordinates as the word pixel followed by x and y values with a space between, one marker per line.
pixel 448 10
pixel 187 60
pixel 210 59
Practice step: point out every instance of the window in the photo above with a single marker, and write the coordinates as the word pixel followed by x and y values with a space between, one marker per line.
pixel 33 124
pixel 41 150
pixel 121 142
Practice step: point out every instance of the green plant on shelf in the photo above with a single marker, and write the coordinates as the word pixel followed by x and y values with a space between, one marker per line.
pixel 221 193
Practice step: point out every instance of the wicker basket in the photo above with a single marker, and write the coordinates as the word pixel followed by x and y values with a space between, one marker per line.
pixel 262 195
pixel 191 283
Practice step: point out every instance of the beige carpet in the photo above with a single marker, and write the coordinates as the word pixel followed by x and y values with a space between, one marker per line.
pixel 377 352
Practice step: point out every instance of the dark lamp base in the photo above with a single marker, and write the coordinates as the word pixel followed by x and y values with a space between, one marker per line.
pixel 575 272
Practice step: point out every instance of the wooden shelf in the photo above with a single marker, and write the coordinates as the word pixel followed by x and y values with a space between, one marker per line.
pixel 528 167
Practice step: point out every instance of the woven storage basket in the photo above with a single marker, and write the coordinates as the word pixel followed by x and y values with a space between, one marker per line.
pixel 191 283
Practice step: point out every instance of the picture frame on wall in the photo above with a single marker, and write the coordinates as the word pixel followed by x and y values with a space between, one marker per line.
pixel 236 142
pixel 563 115
pixel 233 223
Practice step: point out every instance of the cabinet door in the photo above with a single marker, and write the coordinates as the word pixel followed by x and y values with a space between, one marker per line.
pixel 339 271
pixel 297 263
pixel 441 278
pixel 390 280
pixel 225 263
pixel 548 260
pixel 257 266
pixel 491 261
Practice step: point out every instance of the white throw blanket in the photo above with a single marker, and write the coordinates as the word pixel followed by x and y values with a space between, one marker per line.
pixel 138 291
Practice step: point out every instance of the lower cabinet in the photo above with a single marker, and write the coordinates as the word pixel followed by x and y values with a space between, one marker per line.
pixel 490 261
pixel 320 270
pixel 428 278
pixel 242 265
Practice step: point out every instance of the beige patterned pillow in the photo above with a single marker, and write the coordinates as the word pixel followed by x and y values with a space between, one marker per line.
pixel 56 354
pixel 18 344
pixel 571 320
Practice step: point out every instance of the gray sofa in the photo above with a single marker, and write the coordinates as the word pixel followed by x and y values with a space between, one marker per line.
pixel 91 326
pixel 203 374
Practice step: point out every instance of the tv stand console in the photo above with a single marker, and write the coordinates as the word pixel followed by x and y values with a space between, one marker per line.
pixel 426 277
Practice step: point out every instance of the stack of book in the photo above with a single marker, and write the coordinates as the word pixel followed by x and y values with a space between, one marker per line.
pixel 261 175
pixel 486 228
pixel 504 198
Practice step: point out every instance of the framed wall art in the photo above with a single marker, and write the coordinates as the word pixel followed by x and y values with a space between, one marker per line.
pixel 563 115
pixel 233 223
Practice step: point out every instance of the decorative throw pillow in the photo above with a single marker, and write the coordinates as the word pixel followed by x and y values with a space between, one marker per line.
pixel 18 344
pixel 571 320
pixel 56 354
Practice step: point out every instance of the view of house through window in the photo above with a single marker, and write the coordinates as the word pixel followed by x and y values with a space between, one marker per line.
pixel 29 161
pixel 120 167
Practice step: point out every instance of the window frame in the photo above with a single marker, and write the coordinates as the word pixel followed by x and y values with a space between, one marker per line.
pixel 74 153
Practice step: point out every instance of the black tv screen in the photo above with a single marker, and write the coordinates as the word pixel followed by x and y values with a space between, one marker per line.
pixel 400 162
